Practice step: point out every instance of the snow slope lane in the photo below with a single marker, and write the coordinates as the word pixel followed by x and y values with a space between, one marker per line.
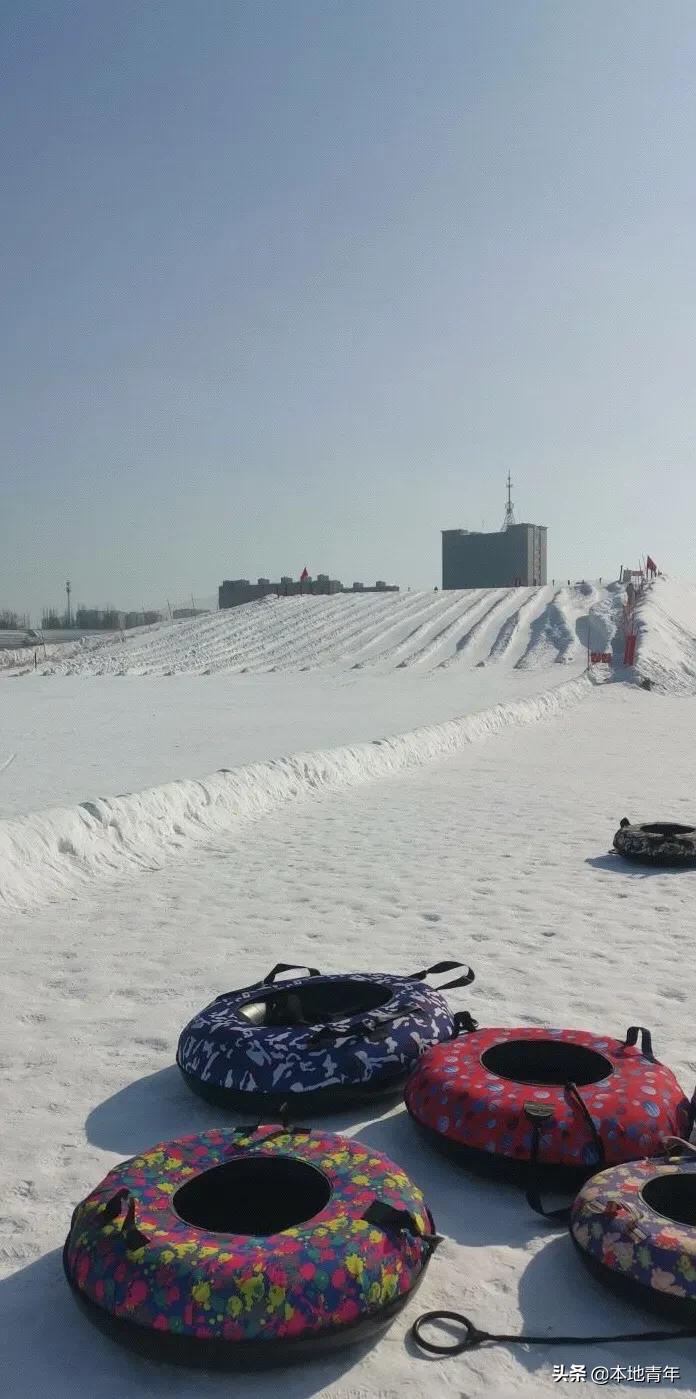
pixel 381 631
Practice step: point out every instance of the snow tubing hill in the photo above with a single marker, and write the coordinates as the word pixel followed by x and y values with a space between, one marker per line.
pixel 659 843
pixel 562 1099
pixel 316 1042
pixel 635 1227
pixel 253 1246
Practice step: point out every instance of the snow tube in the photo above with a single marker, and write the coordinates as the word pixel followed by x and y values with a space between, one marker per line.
pixel 659 843
pixel 248 1246
pixel 562 1099
pixel 635 1227
pixel 316 1042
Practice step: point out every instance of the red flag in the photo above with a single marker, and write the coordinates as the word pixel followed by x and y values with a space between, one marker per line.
pixel 651 565
pixel 304 574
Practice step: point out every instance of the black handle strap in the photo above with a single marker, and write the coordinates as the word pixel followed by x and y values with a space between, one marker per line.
pixel 364 1029
pixel 133 1236
pixel 645 1040
pixel 464 1023
pixel 474 1337
pixel 388 1218
pixel 539 1115
pixel 287 967
pixel 437 967
pixel 286 1126
pixel 112 1208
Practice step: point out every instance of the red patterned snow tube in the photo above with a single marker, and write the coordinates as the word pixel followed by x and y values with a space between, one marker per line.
pixel 560 1098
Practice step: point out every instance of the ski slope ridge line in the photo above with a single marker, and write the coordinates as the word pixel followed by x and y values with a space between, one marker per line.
pixel 54 853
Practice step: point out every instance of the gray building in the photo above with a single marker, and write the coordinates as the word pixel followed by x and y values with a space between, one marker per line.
pixel 233 592
pixel 515 556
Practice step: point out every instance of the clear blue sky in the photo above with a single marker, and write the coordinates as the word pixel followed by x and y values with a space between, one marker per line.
pixel 298 281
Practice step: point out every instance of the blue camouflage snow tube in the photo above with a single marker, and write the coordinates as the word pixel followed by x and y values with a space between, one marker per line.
pixel 316 1042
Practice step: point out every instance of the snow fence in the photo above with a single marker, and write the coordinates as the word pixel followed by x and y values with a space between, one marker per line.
pixel 52 853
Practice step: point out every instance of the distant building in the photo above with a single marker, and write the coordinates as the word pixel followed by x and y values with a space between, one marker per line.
pixel 180 612
pixel 513 557
pixel 235 591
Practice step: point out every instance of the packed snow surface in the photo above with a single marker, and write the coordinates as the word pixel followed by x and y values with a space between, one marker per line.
pixel 266 679
pixel 56 850
pixel 666 629
pixel 477 827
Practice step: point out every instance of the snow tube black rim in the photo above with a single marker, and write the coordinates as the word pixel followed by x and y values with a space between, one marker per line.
pixel 676 1308
pixel 296 1106
pixel 192 1352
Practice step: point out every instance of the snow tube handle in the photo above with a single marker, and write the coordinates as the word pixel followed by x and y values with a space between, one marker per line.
pixel 472 1335
pixel 464 980
pixel 369 1029
pixel 645 1040
pixel 387 1217
pixel 112 1208
pixel 287 967
pixel 464 1023
pixel 129 1230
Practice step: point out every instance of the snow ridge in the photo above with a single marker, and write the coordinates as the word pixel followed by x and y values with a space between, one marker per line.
pixel 52 853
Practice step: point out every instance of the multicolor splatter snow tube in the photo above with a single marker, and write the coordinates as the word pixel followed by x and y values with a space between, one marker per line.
pixel 316 1043
pixel 565 1099
pixel 252 1246
pixel 635 1227
pixel 658 843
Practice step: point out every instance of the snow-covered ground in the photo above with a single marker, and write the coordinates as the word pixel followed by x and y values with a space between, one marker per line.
pixel 263 680
pixel 71 738
pixel 484 839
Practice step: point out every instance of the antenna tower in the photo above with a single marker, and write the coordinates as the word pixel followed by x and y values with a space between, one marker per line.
pixel 509 508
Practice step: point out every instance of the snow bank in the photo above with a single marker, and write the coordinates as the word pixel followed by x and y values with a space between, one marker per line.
pixel 666 631
pixel 50 853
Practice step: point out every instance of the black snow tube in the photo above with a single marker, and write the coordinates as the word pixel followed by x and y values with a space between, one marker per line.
pixel 657 843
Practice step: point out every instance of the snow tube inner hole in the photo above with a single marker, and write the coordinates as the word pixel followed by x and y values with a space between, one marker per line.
pixel 315 1003
pixel 546 1061
pixel 668 828
pixel 674 1196
pixel 258 1195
